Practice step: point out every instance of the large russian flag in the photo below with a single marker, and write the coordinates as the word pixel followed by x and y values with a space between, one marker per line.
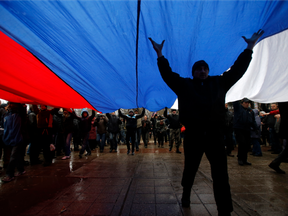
pixel 96 54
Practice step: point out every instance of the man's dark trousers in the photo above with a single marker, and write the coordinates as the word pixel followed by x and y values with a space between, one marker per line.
pixel 201 140
pixel 243 138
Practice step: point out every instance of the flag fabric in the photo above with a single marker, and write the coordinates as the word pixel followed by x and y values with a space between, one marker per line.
pixel 96 54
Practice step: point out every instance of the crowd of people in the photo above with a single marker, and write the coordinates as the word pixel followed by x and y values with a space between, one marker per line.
pixel 58 131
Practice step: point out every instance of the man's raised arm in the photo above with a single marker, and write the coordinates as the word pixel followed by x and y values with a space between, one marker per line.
pixel 241 64
pixel 170 78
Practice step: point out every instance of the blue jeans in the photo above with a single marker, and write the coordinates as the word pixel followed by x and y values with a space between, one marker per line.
pixel 123 135
pixel 256 150
pixel 67 144
pixel 85 144
pixel 102 143
pixel 113 141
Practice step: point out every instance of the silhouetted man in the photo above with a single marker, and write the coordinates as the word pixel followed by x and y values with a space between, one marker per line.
pixel 204 127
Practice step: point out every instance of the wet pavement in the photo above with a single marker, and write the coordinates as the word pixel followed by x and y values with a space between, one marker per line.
pixel 147 183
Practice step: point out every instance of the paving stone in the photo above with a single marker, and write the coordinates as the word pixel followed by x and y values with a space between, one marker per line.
pixel 168 210
pixel 144 198
pixel 148 183
pixel 100 209
pixel 143 210
pixel 165 198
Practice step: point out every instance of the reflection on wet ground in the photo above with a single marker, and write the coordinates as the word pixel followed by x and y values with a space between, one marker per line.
pixel 147 183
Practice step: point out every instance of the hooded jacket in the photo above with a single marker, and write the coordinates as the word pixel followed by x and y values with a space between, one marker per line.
pixel 131 121
pixel 85 123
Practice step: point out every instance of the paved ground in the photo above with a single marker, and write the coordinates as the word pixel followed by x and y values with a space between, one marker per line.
pixel 147 183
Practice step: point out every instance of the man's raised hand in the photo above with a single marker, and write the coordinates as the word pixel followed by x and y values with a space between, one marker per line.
pixel 157 47
pixel 252 41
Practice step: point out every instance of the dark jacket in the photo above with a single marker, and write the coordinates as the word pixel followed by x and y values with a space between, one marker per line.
pixel 68 124
pixel 131 121
pixel 269 120
pixel 45 117
pixel 101 124
pixel 15 126
pixel 154 121
pixel 114 122
pixel 228 121
pixel 146 126
pixel 173 120
pixel 256 133
pixel 160 128
pixel 208 94
pixel 244 119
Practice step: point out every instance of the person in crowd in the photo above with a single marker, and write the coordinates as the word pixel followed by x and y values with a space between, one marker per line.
pixel 68 129
pixel 161 129
pixel 256 134
pixel 3 113
pixel 32 130
pixel 93 135
pixel 277 128
pixel 138 131
pixel 154 122
pixel 131 127
pixel 208 92
pixel 85 127
pixel 243 120
pixel 270 121
pixel 101 123
pixel 58 133
pixel 167 132
pixel 76 134
pixel 122 131
pixel 275 164
pixel 175 129
pixel 264 129
pixel 228 131
pixel 45 133
pixel 146 130
pixel 113 129
pixel 14 139
pixel 182 135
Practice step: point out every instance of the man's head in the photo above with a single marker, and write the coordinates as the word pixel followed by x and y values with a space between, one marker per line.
pixel 173 111
pixel 136 111
pixel 245 102
pixel 200 70
pixel 274 106
pixel 131 113
pixel 226 106
pixel 155 116
pixel 43 107
pixel 161 122
pixel 145 117
pixel 113 113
